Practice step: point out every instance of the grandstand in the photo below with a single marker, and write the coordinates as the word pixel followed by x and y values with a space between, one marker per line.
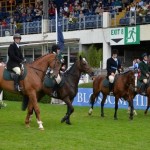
pixel 83 23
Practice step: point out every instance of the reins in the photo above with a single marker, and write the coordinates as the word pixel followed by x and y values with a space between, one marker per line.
pixel 37 69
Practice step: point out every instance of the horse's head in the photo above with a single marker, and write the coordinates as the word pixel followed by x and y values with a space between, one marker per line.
pixel 54 64
pixel 130 80
pixel 84 66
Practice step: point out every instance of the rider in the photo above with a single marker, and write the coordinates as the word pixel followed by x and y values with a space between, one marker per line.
pixel 113 67
pixel 56 50
pixel 144 72
pixel 15 59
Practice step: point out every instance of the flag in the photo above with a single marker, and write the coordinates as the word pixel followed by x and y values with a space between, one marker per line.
pixel 59 34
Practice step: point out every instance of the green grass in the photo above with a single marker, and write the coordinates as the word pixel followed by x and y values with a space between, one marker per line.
pixel 85 133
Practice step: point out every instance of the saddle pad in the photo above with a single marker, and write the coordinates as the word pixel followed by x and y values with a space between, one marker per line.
pixel 49 82
pixel 106 82
pixel 7 74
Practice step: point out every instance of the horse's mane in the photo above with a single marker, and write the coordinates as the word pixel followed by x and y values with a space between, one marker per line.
pixel 39 58
pixel 70 69
pixel 126 72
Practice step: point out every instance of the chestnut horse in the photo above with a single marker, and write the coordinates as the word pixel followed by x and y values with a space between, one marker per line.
pixel 68 88
pixel 33 81
pixel 124 83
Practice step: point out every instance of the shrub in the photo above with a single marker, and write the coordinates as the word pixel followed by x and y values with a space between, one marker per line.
pixel 17 97
pixel 86 85
pixel 93 55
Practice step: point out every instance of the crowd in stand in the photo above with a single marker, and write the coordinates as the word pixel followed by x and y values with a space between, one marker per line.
pixel 74 8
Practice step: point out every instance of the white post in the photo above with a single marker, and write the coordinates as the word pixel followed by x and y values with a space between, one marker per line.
pixel 56 20
pixel 1 96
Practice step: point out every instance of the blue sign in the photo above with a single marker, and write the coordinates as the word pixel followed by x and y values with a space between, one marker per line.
pixel 83 96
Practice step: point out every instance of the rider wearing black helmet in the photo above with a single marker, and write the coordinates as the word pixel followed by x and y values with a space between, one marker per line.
pixel 56 50
pixel 113 67
pixel 145 72
pixel 15 58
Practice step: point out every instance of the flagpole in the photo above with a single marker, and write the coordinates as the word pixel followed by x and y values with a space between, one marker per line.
pixel 56 20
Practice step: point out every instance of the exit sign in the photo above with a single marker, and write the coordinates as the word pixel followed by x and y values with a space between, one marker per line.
pixel 125 35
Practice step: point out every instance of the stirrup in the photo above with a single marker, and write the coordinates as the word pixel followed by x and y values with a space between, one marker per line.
pixel 54 94
pixel 17 88
pixel 143 93
pixel 111 93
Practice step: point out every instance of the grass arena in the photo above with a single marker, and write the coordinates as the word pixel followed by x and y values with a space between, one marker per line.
pixel 85 133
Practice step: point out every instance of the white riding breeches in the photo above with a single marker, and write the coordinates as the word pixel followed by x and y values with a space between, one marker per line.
pixel 17 70
pixel 145 81
pixel 111 79
pixel 58 79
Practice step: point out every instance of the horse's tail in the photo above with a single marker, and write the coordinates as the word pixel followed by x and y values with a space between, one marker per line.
pixel 25 102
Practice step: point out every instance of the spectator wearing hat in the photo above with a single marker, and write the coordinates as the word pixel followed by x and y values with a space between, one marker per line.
pixel 144 71
pixel 113 67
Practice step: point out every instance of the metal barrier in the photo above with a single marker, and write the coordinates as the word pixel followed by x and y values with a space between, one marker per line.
pixel 35 27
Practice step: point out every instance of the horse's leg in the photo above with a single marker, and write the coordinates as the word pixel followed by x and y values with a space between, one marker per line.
pixel 148 105
pixel 102 105
pixel 116 108
pixel 70 110
pixel 131 109
pixel 33 98
pixel 29 113
pixel 92 101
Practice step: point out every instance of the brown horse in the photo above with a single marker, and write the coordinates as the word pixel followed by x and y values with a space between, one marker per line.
pixel 68 88
pixel 124 83
pixel 32 83
pixel 138 91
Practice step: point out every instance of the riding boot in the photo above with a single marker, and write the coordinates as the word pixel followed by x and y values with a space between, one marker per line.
pixel 54 94
pixel 16 82
pixel 143 89
pixel 110 88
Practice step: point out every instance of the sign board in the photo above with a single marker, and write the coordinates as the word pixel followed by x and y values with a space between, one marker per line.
pixel 83 96
pixel 125 35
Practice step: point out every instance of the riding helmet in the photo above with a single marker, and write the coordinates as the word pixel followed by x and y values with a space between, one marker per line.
pixel 114 51
pixel 17 36
pixel 144 54
pixel 55 47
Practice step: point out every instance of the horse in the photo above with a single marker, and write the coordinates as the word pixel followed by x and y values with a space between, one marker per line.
pixel 68 88
pixel 32 83
pixel 123 85
pixel 138 91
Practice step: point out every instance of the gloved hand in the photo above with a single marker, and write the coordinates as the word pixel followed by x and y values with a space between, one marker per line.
pixel 24 61
pixel 147 75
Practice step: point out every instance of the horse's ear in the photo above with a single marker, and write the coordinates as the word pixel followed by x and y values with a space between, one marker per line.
pixel 80 57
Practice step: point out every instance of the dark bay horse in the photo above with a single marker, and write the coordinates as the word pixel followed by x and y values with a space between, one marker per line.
pixel 32 83
pixel 138 91
pixel 124 83
pixel 69 88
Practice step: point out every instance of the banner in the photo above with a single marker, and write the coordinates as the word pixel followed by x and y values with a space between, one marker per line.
pixel 83 96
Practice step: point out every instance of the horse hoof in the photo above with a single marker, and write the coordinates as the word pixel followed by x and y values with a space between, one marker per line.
pixel 68 122
pixel 27 126
pixel 115 118
pixel 63 120
pixel 90 111
pixel 41 129
pixel 102 115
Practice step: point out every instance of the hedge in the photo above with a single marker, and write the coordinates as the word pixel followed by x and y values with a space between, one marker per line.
pixel 17 97
pixel 46 99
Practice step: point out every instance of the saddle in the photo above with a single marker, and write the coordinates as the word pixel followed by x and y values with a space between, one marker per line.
pixel 50 82
pixel 9 75
pixel 106 82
